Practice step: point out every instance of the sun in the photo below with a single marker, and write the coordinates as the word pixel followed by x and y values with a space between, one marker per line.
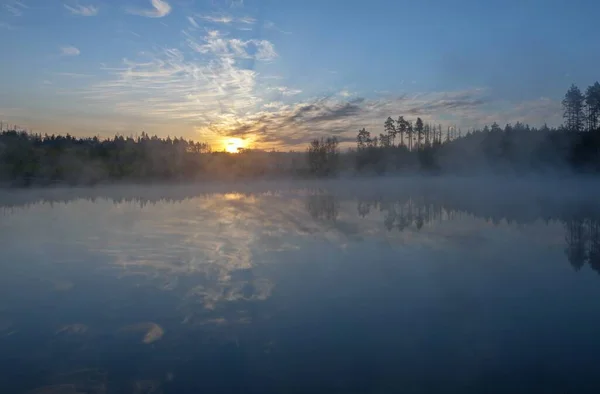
pixel 233 145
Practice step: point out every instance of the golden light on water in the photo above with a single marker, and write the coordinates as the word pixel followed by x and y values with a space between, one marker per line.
pixel 233 145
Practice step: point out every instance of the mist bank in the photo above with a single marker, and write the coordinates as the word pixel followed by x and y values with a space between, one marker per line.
pixel 396 204
pixel 32 160
pixel 524 193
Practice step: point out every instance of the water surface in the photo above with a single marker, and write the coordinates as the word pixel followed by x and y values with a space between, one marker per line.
pixel 333 287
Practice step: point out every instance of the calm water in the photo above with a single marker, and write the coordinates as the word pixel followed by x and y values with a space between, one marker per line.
pixel 361 287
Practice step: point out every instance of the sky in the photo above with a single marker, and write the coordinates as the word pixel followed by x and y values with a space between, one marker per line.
pixel 277 73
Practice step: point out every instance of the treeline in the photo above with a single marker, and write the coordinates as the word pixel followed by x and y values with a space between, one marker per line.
pixel 33 159
pixel 407 146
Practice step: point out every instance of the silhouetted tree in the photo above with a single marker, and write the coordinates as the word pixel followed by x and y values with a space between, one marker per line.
pixel 323 156
pixel 573 109
pixel 419 131
pixel 390 130
pixel 592 101
pixel 401 128
pixel 363 139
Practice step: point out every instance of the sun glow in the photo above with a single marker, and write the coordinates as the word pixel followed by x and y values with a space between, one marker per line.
pixel 233 145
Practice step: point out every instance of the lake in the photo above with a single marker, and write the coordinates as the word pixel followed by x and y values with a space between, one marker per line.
pixel 365 286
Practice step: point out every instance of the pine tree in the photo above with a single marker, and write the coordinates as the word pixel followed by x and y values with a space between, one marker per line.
pixel 390 129
pixel 409 132
pixel 419 129
pixel 592 100
pixel 401 128
pixel 573 109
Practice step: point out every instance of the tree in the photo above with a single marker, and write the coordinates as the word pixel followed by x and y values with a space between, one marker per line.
pixel 592 100
pixel 495 128
pixel 390 129
pixel 401 126
pixel 573 109
pixel 363 139
pixel 323 156
pixel 409 133
pixel 385 140
pixel 419 130
pixel 332 154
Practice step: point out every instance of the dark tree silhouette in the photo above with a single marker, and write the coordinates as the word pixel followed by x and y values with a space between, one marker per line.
pixel 573 104
pixel 419 131
pixel 592 101
pixel 363 139
pixel 401 128
pixel 323 156
pixel 390 130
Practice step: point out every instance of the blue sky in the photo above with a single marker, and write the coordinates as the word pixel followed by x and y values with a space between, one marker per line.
pixel 277 73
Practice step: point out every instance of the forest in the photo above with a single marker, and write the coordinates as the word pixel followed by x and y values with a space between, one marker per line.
pixel 404 147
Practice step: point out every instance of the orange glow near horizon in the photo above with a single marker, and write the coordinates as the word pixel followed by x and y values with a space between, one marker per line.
pixel 233 145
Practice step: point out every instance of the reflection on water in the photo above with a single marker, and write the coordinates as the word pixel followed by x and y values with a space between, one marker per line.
pixel 348 287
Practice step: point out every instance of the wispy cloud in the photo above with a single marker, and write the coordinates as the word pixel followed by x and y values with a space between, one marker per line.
pixel 15 7
pixel 216 44
pixel 216 19
pixel 7 26
pixel 82 10
pixel 73 75
pixel 160 8
pixel 285 91
pixel 294 124
pixel 227 19
pixel 69 51
pixel 270 25
pixel 177 87
pixel 247 20
pixel 193 22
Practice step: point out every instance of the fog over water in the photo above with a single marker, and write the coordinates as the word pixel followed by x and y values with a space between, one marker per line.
pixel 392 285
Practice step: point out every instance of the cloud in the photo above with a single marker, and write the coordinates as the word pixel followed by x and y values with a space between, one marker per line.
pixel 73 75
pixel 215 43
pixel 247 20
pixel 6 26
pixel 285 91
pixel 270 25
pixel 216 19
pixel 82 10
pixel 293 124
pixel 227 19
pixel 15 7
pixel 70 51
pixel 168 85
pixel 160 9
pixel 193 22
